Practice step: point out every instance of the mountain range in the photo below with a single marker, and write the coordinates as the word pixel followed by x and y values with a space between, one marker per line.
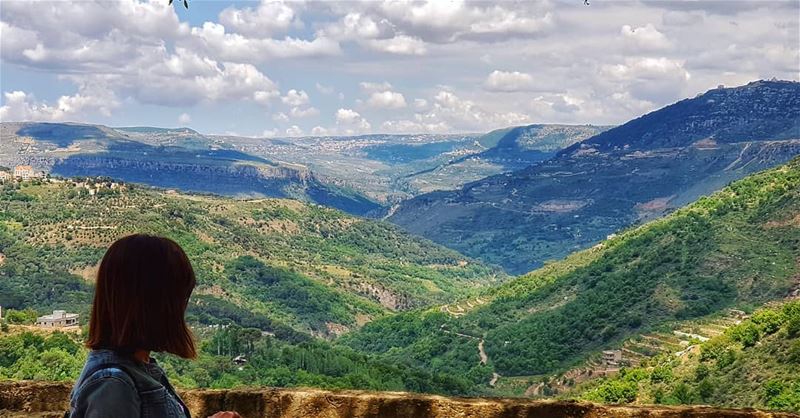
pixel 623 176
pixel 677 236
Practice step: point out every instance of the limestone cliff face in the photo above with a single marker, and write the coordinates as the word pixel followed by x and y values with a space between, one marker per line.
pixel 42 399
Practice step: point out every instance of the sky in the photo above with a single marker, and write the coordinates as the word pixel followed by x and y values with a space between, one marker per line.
pixel 295 68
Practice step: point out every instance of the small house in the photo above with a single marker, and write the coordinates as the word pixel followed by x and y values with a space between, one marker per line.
pixel 612 357
pixel 58 319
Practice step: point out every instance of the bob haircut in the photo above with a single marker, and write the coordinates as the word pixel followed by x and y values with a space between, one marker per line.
pixel 142 291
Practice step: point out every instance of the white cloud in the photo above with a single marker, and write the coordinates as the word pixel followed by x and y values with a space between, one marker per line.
pixel 387 100
pixel 603 64
pixel 351 122
pixel 295 98
pixel 466 114
pixel 656 80
pixel 294 130
pixel 184 119
pixel 646 38
pixel 319 131
pixel 449 21
pixel 187 78
pixel 21 106
pixel 358 26
pixel 508 81
pixel 264 97
pixel 213 39
pixel 280 117
pixel 370 86
pixel 400 44
pixel 298 112
pixel 269 133
pixel 268 18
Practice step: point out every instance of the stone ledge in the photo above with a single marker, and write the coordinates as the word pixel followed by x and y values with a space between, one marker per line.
pixel 47 399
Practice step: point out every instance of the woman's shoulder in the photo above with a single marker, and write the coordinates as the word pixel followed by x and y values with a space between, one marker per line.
pixel 110 375
pixel 109 390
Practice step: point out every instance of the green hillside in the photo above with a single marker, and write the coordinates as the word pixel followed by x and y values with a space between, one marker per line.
pixel 736 248
pixel 754 364
pixel 278 265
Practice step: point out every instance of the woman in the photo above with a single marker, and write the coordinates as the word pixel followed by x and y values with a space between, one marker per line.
pixel 142 290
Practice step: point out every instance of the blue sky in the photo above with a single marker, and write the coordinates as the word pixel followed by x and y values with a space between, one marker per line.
pixel 337 68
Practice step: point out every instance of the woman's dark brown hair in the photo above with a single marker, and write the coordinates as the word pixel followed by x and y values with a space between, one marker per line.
pixel 142 290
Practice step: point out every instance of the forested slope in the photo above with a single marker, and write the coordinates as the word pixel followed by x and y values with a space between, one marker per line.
pixel 313 269
pixel 754 364
pixel 736 248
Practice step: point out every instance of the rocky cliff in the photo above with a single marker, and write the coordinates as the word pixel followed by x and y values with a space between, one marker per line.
pixel 40 399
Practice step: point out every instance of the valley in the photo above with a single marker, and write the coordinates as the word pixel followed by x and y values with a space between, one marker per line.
pixel 356 174
pixel 664 282
pixel 621 177
pixel 258 254
pixel 640 249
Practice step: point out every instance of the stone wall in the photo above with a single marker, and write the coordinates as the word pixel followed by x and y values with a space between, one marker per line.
pixel 42 399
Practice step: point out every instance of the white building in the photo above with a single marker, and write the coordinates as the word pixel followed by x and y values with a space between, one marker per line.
pixel 4 176
pixel 58 319
pixel 24 172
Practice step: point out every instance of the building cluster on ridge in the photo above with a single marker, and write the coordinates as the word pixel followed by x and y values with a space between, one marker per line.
pixel 20 172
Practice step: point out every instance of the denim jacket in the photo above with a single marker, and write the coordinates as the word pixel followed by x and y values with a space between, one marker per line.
pixel 115 386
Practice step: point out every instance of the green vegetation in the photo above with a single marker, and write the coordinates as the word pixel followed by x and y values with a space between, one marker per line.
pixel 274 275
pixel 281 264
pixel 754 364
pixel 269 362
pixel 737 247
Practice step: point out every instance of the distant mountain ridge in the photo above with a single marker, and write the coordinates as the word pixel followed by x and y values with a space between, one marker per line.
pixel 177 158
pixel 504 150
pixel 634 172
pixel 757 111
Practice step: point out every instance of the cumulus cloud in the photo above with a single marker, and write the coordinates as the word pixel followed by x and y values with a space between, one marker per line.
pixel 351 122
pixel 186 78
pixel 294 130
pixel 401 44
pixel 508 81
pixel 371 86
pixel 280 117
pixel 22 106
pixel 141 50
pixel 319 131
pixel 213 39
pixel 295 98
pixel 386 100
pixel 555 61
pixel 646 38
pixel 454 110
pixel 268 18
pixel 300 112
pixel 657 80
pixel 450 21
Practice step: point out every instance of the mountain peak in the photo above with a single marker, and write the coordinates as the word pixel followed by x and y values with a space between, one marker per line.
pixel 763 109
